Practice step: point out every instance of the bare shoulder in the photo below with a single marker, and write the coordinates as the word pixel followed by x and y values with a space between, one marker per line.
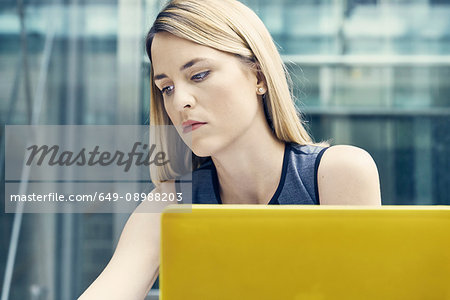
pixel 348 175
pixel 339 155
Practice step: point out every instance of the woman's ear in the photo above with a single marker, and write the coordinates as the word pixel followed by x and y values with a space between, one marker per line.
pixel 261 79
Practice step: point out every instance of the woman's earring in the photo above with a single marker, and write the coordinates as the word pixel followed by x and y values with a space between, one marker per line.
pixel 260 90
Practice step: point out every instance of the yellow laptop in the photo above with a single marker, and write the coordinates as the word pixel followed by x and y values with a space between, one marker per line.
pixel 305 252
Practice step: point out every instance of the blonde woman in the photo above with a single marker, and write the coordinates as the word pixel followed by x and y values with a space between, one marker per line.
pixel 217 76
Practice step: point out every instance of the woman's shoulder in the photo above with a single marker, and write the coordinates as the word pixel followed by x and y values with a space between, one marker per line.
pixel 346 155
pixel 336 155
pixel 348 175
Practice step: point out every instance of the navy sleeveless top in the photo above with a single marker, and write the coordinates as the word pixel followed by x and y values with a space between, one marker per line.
pixel 298 182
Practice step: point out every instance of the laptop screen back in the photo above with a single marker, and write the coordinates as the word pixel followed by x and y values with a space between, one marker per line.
pixel 305 252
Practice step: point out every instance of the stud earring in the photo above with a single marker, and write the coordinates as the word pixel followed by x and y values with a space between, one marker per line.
pixel 260 90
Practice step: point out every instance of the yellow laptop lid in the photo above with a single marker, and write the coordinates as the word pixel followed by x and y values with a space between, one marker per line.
pixel 305 252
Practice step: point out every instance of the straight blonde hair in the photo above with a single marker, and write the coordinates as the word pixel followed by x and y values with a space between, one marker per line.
pixel 229 26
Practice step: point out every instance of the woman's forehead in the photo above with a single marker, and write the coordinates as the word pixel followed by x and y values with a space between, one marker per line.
pixel 165 44
pixel 170 50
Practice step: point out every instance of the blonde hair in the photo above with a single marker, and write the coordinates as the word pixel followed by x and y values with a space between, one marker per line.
pixel 229 26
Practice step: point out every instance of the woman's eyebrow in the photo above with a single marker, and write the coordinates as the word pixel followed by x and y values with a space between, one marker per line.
pixel 191 63
pixel 183 67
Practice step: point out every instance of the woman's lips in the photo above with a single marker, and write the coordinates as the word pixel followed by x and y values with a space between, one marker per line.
pixel 192 127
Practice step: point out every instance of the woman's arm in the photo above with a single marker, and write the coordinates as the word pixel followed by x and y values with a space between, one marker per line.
pixel 134 266
pixel 348 175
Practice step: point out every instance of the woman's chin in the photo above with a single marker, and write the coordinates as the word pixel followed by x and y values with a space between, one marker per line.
pixel 202 148
pixel 200 152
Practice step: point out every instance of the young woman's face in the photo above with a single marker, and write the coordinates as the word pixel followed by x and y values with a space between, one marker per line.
pixel 201 84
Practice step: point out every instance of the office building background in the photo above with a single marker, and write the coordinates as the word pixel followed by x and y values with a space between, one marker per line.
pixel 370 73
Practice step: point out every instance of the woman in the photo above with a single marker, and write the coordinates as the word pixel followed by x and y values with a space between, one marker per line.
pixel 218 78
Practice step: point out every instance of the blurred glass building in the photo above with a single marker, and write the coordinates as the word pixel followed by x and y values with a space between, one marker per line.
pixel 370 73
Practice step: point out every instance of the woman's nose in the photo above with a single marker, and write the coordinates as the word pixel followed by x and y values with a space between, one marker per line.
pixel 183 99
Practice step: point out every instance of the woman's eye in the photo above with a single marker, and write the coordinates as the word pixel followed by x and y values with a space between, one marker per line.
pixel 200 76
pixel 197 77
pixel 167 90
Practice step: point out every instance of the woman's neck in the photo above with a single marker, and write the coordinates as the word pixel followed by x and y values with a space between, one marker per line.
pixel 249 169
